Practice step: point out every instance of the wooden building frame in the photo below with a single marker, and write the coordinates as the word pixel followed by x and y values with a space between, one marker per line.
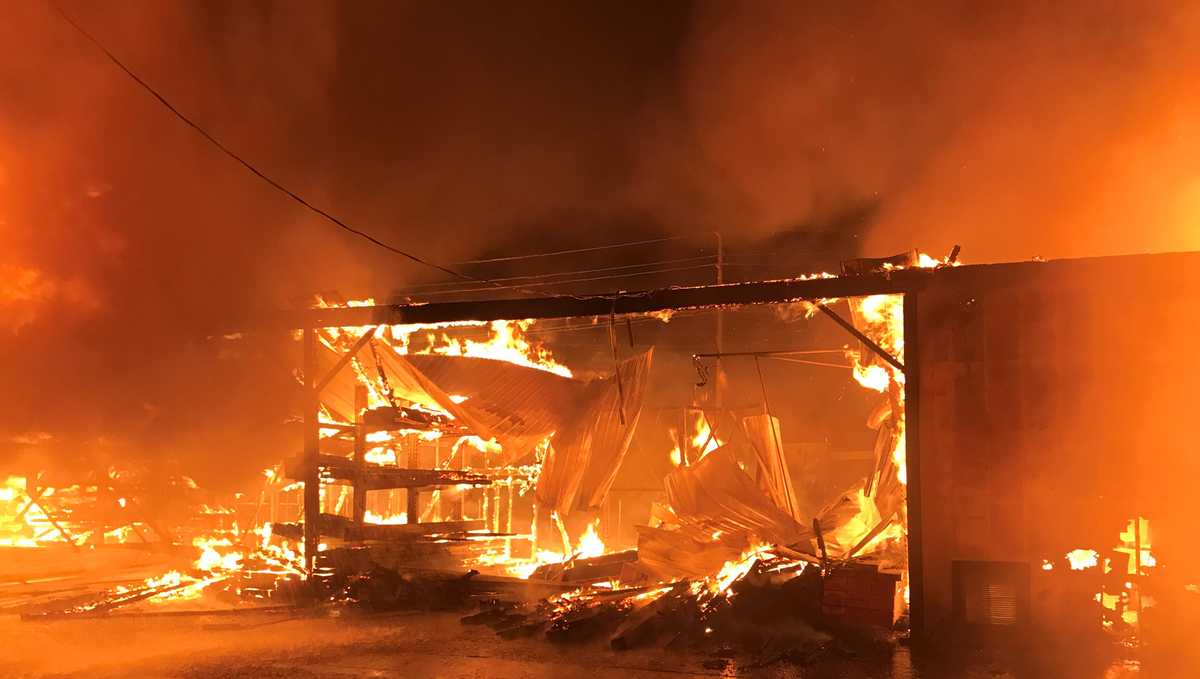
pixel 908 282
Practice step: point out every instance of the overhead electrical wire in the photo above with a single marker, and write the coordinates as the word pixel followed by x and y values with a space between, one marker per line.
pixel 543 276
pixel 254 170
pixel 539 284
pixel 575 251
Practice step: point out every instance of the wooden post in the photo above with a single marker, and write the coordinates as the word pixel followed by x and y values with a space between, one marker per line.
pixel 508 519
pixel 718 396
pixel 436 498
pixel 413 510
pixel 496 509
pixel 533 530
pixel 360 453
pixel 459 505
pixel 312 442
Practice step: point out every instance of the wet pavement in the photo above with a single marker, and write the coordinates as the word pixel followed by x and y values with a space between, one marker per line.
pixel 439 646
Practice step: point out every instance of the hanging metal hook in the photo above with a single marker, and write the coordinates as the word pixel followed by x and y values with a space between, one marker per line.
pixel 701 371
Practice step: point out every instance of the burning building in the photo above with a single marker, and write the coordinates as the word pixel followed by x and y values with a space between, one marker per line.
pixel 1013 455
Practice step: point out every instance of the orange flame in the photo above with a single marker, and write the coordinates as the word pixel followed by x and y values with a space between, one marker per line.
pixel 703 440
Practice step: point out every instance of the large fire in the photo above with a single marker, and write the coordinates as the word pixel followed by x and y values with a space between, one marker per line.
pixel 221 555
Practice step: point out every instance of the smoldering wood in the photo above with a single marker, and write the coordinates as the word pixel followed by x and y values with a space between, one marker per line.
pixel 388 418
pixel 391 564
pixel 603 567
pixel 378 477
pixel 585 624
pixel 647 623
pixel 340 527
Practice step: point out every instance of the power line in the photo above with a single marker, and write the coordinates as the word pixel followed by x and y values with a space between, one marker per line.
pixel 526 286
pixel 575 251
pixel 246 164
pixel 576 272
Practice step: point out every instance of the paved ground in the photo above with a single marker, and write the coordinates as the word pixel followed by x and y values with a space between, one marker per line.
pixel 425 645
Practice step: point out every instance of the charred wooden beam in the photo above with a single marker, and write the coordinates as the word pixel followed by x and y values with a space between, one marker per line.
pixel 375 477
pixel 345 358
pixel 619 303
pixel 309 471
pixel 360 454
pixel 340 527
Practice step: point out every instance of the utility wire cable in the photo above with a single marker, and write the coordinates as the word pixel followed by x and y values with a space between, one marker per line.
pixel 525 286
pixel 545 276
pixel 246 164
pixel 574 251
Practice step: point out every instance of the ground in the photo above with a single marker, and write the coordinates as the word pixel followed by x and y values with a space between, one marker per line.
pixel 414 645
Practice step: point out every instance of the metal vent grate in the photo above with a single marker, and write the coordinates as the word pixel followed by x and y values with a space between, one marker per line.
pixel 999 603
pixel 990 593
